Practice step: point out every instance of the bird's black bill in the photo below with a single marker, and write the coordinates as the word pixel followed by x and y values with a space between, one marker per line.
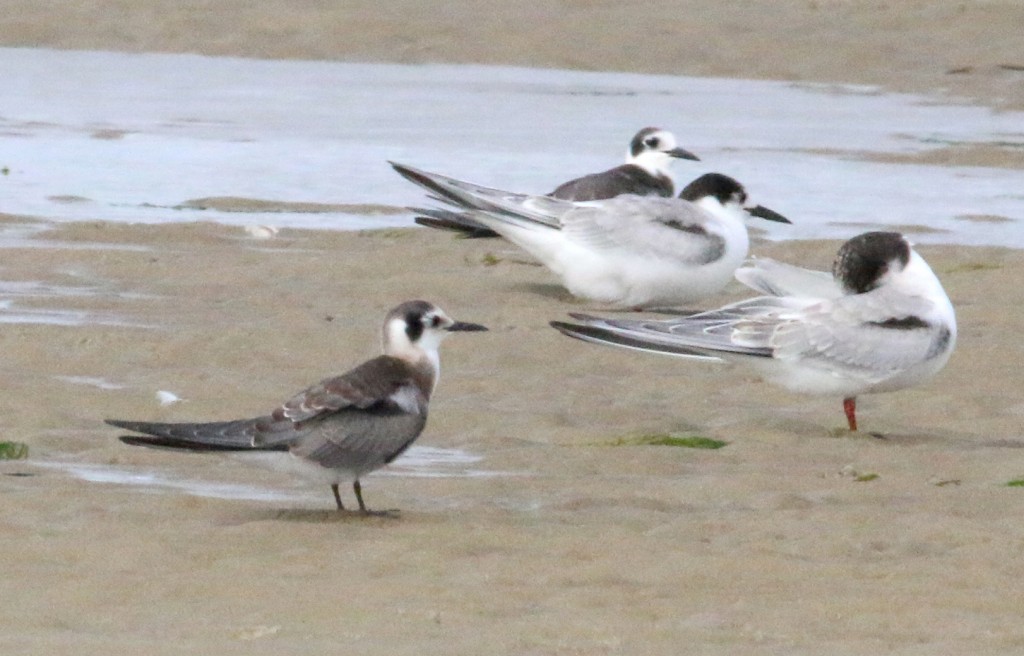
pixel 466 327
pixel 682 153
pixel 762 212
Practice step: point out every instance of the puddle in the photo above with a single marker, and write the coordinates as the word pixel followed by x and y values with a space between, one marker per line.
pixel 91 381
pixel 26 235
pixel 15 293
pixel 11 313
pixel 418 461
pixel 156 480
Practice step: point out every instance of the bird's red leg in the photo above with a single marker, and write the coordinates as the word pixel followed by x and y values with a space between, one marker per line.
pixel 850 407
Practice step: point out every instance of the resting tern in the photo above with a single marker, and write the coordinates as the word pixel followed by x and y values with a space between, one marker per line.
pixel 882 323
pixel 629 251
pixel 647 172
pixel 343 427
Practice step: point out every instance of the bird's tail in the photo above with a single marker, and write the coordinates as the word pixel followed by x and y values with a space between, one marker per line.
pixel 237 435
pixel 499 205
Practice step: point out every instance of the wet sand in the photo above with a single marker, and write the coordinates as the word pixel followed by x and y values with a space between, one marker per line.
pixel 795 538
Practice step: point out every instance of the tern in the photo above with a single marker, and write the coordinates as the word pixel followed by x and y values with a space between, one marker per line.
pixel 882 322
pixel 647 172
pixel 343 427
pixel 629 251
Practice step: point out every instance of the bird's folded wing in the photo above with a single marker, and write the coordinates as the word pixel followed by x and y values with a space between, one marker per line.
pixel 657 227
pixel 868 333
pixel 374 382
pixel 625 179
pixel 466 195
pixel 459 222
pixel 239 434
pixel 776 278
pixel 360 440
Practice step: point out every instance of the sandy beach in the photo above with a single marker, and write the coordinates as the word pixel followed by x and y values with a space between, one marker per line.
pixel 796 537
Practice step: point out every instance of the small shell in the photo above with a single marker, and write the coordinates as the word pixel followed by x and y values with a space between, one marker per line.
pixel 261 231
pixel 167 398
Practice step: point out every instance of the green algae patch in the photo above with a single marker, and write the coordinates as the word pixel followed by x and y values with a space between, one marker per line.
pixel 13 451
pixel 669 439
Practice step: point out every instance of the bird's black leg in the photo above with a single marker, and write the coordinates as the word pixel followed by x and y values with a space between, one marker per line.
pixel 359 496
pixel 358 489
pixel 337 497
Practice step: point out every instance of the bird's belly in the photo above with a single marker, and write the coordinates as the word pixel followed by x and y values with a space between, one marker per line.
pixel 637 282
pixel 285 462
pixel 806 379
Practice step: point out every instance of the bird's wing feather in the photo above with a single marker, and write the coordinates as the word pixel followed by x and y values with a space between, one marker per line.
pixel 868 332
pixel 708 333
pixel 240 434
pixel 624 179
pixel 776 278
pixel 384 386
pixel 658 227
pixel 364 440
pixel 371 383
pixel 539 209
pixel 459 222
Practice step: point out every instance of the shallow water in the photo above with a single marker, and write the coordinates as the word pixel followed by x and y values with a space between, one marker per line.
pixel 135 137
pixel 418 461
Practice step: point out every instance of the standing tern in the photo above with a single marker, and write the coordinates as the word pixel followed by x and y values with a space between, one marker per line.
pixel 343 427
pixel 882 323
pixel 629 251
pixel 647 172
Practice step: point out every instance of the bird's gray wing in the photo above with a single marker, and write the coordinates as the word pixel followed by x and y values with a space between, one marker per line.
pixel 646 225
pixel 876 334
pixel 384 386
pixel 872 336
pixel 236 435
pixel 542 210
pixel 597 331
pixel 364 440
pixel 742 328
pixel 776 278
pixel 700 335
pixel 625 179
pixel 372 382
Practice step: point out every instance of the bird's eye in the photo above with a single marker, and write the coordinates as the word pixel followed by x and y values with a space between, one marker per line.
pixel 435 321
pixel 651 142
